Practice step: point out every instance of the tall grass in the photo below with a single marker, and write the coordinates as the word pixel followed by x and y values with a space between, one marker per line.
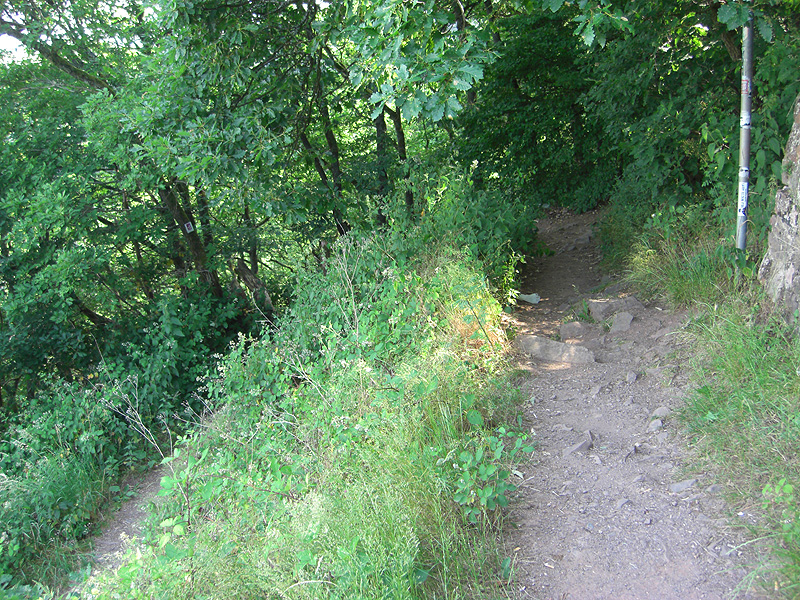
pixel 359 452
pixel 745 419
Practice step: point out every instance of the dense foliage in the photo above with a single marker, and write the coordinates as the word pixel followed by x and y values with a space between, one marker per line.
pixel 178 178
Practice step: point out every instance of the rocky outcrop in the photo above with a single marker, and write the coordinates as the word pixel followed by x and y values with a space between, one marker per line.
pixel 780 270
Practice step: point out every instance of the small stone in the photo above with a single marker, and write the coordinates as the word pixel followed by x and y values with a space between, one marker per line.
pixel 655 425
pixel 715 488
pixel 598 308
pixel 682 486
pixel 621 322
pixel 529 298
pixel 647 521
pixel 631 303
pixel 595 391
pixel 585 444
pixel 662 438
pixel 621 502
pixel 639 479
pixel 661 412
pixel 630 377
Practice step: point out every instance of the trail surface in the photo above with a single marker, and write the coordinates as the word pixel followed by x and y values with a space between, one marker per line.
pixel 608 509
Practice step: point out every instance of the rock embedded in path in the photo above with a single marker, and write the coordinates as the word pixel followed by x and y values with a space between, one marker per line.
pixel 601 308
pixel 552 351
pixel 621 322
pixel 661 412
pixel 682 486
pixel 655 425
pixel 585 444
pixel 575 330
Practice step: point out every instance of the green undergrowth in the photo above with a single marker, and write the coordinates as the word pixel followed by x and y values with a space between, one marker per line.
pixel 64 453
pixel 744 412
pixel 705 271
pixel 362 450
pixel 744 416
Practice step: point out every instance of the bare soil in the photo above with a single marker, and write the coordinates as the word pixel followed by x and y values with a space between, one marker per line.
pixel 125 526
pixel 621 519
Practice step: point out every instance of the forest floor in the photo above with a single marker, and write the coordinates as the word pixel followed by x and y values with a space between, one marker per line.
pixel 610 507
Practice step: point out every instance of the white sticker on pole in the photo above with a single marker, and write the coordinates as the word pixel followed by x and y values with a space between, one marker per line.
pixel 743 190
pixel 188 227
pixel 747 86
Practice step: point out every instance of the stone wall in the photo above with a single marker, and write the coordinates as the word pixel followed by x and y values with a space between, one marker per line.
pixel 780 270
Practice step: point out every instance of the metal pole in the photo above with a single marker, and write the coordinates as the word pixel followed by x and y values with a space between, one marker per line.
pixel 744 133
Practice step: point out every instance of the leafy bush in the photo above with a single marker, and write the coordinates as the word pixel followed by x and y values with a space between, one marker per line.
pixel 496 229
pixel 70 443
pixel 353 450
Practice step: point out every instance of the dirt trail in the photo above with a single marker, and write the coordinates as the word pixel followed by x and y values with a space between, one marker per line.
pixel 123 528
pixel 608 509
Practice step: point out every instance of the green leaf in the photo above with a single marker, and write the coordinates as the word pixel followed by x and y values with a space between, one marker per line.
pixel 475 418
pixel 475 72
pixel 761 157
pixel 733 15
pixel 588 34
pixel 437 113
pixel 420 576
pixel 764 28
pixel 774 145
pixel 505 568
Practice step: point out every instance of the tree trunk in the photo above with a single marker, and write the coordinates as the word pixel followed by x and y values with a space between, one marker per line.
pixel 257 287
pixel 382 160
pixel 169 197
pixel 397 119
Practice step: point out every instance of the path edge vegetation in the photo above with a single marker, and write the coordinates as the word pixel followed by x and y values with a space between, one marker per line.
pixel 741 414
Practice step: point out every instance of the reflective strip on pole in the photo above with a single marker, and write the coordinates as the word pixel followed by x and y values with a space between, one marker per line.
pixel 744 133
